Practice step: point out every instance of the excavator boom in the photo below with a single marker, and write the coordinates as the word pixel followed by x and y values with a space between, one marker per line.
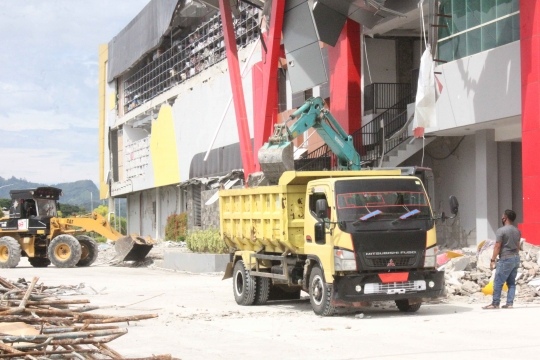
pixel 276 156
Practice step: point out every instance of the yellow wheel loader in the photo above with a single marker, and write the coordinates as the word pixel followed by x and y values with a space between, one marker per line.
pixel 33 229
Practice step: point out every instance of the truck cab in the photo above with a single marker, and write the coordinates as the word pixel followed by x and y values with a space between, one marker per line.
pixel 374 238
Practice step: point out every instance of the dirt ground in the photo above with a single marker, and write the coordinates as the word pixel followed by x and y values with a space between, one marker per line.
pixel 199 319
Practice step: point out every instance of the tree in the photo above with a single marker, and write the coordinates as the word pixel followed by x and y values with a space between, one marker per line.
pixel 67 210
pixel 118 222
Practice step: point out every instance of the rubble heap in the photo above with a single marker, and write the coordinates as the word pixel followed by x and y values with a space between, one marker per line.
pixel 467 275
pixel 36 324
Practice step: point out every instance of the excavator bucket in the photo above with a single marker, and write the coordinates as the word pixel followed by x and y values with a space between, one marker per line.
pixel 133 248
pixel 275 159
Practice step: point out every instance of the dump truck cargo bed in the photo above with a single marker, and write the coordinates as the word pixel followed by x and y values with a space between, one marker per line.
pixel 271 218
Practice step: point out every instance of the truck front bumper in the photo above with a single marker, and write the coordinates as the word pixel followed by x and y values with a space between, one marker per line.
pixel 362 288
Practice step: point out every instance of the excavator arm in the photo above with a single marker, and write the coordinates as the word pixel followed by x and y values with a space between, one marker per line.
pixel 276 156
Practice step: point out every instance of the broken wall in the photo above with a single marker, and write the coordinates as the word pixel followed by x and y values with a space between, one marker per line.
pixel 209 213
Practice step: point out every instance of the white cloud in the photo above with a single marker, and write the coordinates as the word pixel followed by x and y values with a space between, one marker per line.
pixel 49 83
pixel 47 166
pixel 44 120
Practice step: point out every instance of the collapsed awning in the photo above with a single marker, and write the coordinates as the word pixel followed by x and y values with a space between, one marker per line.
pixel 141 35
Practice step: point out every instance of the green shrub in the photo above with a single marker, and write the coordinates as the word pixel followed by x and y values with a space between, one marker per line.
pixel 176 227
pixel 206 241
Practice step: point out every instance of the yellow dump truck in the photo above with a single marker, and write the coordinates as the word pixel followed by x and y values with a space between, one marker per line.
pixel 347 238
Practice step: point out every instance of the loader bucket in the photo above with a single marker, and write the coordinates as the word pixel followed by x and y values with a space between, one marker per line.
pixel 133 248
pixel 275 160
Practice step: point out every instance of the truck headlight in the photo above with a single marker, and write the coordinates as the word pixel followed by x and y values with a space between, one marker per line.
pixel 430 260
pixel 344 260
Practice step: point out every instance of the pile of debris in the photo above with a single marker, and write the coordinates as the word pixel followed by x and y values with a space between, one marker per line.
pixel 107 254
pixel 36 324
pixel 468 274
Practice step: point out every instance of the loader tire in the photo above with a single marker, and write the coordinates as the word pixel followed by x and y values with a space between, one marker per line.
pixel 244 285
pixel 10 252
pixel 89 250
pixel 320 293
pixel 263 290
pixel 39 262
pixel 404 306
pixel 64 251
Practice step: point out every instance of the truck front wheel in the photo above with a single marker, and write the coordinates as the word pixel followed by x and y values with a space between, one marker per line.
pixel 404 306
pixel 320 294
pixel 244 285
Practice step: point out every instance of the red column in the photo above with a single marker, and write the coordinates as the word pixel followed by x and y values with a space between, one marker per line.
pixel 258 115
pixel 246 149
pixel 344 63
pixel 270 72
pixel 530 117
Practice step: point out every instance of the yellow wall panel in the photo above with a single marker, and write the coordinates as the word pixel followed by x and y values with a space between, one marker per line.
pixel 163 149
pixel 102 82
pixel 112 101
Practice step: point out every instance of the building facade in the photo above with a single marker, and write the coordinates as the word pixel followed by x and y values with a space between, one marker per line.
pixel 166 101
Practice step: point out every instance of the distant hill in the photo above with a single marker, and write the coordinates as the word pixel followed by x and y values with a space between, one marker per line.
pixel 75 193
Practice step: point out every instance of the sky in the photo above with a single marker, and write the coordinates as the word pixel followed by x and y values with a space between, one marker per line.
pixel 49 85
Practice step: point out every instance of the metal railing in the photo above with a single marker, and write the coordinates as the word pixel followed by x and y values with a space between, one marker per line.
pixel 368 140
pixel 187 57
pixel 382 96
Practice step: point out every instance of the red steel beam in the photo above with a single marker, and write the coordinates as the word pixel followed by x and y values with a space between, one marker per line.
pixel 246 150
pixel 270 72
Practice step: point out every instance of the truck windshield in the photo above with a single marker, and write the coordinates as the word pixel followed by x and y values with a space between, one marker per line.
pixel 389 198
pixel 46 207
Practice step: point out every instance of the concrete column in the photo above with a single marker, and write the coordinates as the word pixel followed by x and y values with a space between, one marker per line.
pixel 487 185
pixel 504 159
pixel 158 213
pixel 111 207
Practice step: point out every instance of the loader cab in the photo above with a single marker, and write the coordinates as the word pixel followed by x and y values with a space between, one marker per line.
pixel 39 203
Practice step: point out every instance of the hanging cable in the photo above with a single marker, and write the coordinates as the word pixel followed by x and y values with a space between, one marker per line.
pixel 423 149
pixel 451 152
pixel 367 61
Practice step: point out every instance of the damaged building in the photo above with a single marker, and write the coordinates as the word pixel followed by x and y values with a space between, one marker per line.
pixel 169 136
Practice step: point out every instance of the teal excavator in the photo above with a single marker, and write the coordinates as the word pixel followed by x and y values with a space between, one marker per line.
pixel 277 155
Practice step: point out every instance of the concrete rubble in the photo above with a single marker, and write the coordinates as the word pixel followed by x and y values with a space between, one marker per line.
pixel 468 273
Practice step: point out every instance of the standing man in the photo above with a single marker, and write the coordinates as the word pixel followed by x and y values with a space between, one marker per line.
pixel 507 248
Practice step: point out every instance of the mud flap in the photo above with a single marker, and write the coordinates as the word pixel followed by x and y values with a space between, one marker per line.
pixel 133 248
pixel 228 271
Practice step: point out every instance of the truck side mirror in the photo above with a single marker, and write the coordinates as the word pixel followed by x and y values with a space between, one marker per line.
pixel 454 204
pixel 320 232
pixel 321 208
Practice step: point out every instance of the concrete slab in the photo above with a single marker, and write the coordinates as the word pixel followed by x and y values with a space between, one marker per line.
pixel 196 263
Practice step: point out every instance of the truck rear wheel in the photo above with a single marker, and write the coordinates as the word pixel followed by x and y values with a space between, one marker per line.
pixel 39 262
pixel 89 250
pixel 10 252
pixel 320 293
pixel 404 306
pixel 64 251
pixel 263 287
pixel 244 285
